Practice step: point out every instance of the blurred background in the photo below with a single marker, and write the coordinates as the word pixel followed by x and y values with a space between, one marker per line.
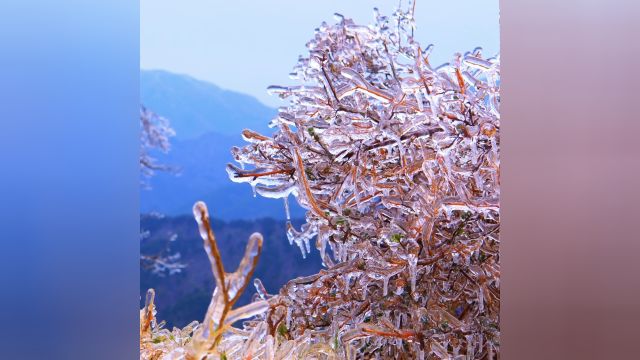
pixel 205 66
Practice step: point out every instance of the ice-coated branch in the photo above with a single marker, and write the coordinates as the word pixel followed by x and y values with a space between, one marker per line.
pixel 397 163
pixel 229 286
pixel 155 132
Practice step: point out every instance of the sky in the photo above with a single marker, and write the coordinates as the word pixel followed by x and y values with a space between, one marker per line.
pixel 246 46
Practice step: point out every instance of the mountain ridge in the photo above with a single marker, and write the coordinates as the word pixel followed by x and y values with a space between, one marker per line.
pixel 203 153
pixel 195 107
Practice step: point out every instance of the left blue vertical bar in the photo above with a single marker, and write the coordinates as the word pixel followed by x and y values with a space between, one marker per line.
pixel 69 238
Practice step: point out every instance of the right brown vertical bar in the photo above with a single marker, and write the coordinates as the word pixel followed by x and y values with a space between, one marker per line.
pixel 570 179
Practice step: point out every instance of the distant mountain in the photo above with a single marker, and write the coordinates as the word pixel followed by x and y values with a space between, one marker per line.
pixel 184 297
pixel 196 107
pixel 208 122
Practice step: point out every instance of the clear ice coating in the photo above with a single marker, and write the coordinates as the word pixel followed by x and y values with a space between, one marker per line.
pixel 397 164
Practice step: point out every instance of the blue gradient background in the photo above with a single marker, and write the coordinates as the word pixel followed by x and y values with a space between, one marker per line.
pixel 69 179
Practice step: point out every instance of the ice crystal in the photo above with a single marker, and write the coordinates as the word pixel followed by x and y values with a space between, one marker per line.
pixel 397 164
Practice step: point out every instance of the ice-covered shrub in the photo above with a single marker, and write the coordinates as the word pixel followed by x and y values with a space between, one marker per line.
pixel 155 132
pixel 397 163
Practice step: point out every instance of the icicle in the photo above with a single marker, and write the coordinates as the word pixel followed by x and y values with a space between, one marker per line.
pixel 260 289
pixel 286 207
pixel 385 285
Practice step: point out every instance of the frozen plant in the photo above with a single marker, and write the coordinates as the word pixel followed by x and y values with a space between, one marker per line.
pixel 397 163
pixel 164 262
pixel 216 337
pixel 155 132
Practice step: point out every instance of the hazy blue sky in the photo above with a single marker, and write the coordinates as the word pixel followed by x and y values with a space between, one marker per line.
pixel 249 45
